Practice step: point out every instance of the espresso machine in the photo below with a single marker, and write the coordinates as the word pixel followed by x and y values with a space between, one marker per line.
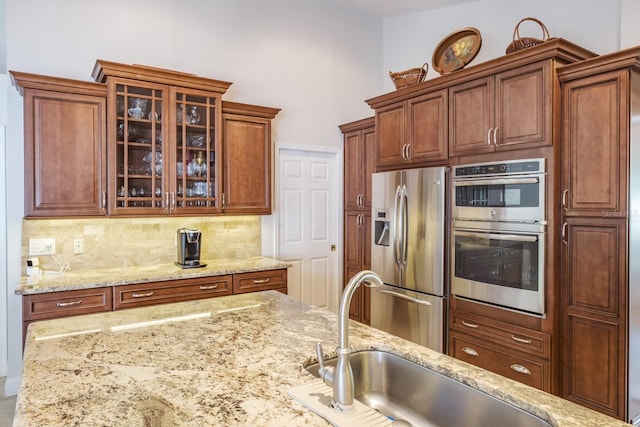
pixel 189 248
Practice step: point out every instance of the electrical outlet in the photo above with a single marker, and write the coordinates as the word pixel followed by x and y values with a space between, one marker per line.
pixel 78 246
pixel 42 246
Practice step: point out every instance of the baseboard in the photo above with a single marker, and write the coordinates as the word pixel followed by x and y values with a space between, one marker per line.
pixel 11 386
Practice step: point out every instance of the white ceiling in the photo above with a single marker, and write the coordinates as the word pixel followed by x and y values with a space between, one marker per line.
pixel 387 8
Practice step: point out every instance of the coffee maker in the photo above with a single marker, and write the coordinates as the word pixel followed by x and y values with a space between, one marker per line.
pixel 189 248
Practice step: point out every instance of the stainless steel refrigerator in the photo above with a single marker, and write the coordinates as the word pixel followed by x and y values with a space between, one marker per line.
pixel 408 213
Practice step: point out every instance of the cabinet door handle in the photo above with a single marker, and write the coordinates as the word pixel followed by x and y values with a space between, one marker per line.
pixel 520 369
pixel 522 340
pixel 408 151
pixel 208 288
pixel 564 233
pixel 173 200
pixel 260 281
pixel 166 200
pixel 470 325
pixel 104 200
pixel 70 303
pixel 565 193
pixel 489 136
pixel 146 294
pixel 470 351
pixel 495 136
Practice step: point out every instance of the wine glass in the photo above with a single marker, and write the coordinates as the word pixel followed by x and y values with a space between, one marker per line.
pixel 199 161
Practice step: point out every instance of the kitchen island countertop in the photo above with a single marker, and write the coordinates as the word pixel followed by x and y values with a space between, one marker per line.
pixel 103 277
pixel 225 361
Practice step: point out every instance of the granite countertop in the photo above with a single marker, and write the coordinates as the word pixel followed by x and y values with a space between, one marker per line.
pixel 220 361
pixel 98 278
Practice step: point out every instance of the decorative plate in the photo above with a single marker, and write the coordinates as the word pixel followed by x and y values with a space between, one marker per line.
pixel 456 50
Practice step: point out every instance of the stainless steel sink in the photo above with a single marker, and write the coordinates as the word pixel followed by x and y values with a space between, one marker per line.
pixel 411 394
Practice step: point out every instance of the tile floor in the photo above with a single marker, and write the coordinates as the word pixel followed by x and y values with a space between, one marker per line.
pixel 7 406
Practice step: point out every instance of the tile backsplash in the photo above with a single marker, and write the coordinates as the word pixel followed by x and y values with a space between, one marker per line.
pixel 125 242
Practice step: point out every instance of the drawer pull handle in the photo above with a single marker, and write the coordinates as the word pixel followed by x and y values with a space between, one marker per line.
pixel 208 288
pixel 471 352
pixel 70 303
pixel 260 281
pixel 147 294
pixel 521 369
pixel 522 340
pixel 470 325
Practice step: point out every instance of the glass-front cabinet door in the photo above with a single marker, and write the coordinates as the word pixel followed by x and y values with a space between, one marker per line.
pixel 140 185
pixel 162 149
pixel 194 152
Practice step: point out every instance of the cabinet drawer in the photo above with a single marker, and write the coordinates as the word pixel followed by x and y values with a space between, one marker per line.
pixel 260 281
pixel 529 370
pixel 518 338
pixel 67 303
pixel 127 296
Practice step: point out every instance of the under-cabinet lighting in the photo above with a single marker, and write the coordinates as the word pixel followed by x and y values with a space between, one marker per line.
pixel 160 321
pixel 68 334
pixel 227 310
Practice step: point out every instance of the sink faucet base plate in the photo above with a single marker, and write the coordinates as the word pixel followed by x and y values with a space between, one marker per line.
pixel 318 396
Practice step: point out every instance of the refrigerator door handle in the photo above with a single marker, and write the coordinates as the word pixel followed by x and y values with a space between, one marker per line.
pixel 403 296
pixel 405 228
pixel 396 231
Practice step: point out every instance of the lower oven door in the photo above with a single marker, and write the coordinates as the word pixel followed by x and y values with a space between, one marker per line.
pixel 499 267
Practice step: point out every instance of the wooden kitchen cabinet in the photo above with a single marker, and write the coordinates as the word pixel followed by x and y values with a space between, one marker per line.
pixel 164 140
pixel 519 353
pixel 65 154
pixel 413 132
pixel 52 305
pixel 359 142
pixel 509 110
pixel 246 149
pixel 600 285
pixel 129 296
pixel 260 281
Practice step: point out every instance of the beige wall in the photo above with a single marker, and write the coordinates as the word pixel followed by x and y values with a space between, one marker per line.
pixel 120 242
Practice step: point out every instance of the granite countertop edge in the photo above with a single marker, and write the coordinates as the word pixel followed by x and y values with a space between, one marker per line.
pixel 88 368
pixel 130 275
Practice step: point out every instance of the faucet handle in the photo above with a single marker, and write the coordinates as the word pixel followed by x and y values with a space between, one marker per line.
pixel 319 355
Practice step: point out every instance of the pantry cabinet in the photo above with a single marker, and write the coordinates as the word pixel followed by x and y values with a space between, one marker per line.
pixel 509 110
pixel 64 146
pixel 600 283
pixel 359 143
pixel 246 148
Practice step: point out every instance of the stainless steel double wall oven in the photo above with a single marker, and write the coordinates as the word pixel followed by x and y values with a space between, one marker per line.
pixel 498 234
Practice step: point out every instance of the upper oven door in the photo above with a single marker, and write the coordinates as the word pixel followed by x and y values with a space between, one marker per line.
pixel 518 198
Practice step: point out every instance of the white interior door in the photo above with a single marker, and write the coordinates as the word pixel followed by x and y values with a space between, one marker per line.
pixel 309 222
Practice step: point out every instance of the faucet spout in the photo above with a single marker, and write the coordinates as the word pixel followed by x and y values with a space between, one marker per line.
pixel 343 389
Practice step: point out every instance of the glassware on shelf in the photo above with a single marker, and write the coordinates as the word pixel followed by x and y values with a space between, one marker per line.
pixel 193 117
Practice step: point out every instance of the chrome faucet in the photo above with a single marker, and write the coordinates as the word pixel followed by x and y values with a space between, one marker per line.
pixel 341 378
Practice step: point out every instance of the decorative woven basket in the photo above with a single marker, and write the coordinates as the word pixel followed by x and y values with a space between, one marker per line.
pixel 409 77
pixel 520 43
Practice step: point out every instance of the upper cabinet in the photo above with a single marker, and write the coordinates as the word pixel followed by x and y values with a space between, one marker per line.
pixel 412 132
pixel 65 137
pixel 163 140
pixel 246 151
pixel 142 141
pixel 507 103
pixel 509 110
pixel 359 147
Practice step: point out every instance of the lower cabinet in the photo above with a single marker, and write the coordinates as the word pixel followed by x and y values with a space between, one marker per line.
pixel 53 305
pixel 129 296
pixel 512 351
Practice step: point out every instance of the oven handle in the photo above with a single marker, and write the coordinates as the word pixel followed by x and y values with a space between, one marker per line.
pixel 513 237
pixel 496 181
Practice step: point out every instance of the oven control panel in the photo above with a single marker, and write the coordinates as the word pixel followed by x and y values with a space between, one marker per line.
pixel 510 167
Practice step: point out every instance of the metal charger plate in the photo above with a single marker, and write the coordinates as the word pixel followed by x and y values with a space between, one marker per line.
pixel 456 50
